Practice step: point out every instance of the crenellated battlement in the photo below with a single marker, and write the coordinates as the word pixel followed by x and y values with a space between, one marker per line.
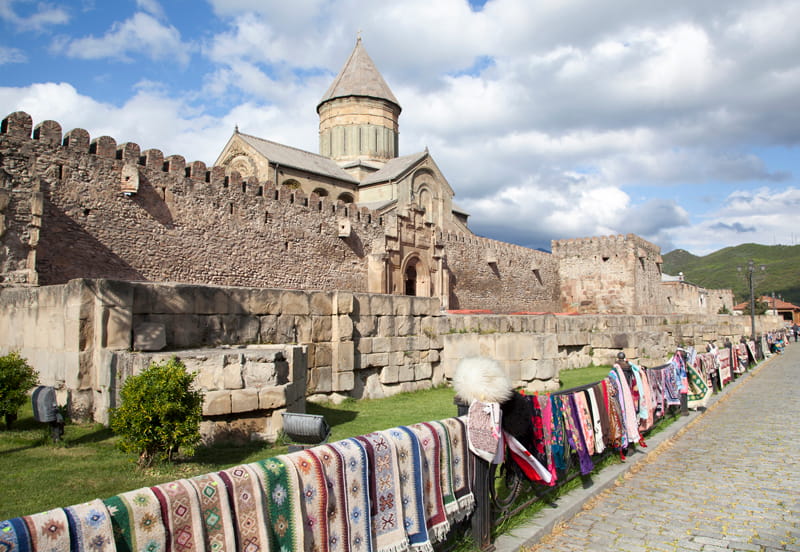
pixel 605 246
pixel 48 134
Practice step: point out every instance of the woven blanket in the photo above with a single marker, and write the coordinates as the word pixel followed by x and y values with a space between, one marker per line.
pixel 628 409
pixel 387 518
pixel 546 408
pixel 594 411
pixel 220 533
pixel 90 527
pixel 575 435
pixel 180 510
pixel 249 509
pixel 136 519
pixel 699 392
pixel 445 470
pixel 435 516
pixel 314 499
pixel 457 429
pixel 356 468
pixel 409 467
pixel 333 468
pixel 559 445
pixel 281 491
pixel 47 531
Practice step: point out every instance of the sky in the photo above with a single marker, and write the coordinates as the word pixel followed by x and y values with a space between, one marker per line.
pixel 678 121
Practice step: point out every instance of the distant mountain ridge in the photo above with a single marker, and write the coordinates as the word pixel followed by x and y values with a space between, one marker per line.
pixel 718 270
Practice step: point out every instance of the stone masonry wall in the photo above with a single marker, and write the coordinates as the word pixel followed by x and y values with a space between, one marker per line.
pixel 501 277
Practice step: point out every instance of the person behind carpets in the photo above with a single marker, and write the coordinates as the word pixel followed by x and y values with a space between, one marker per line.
pixel 482 380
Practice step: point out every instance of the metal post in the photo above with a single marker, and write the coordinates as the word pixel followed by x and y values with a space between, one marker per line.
pixel 750 268
pixel 482 515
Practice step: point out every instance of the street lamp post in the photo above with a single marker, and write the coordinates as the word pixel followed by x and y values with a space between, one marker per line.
pixel 751 267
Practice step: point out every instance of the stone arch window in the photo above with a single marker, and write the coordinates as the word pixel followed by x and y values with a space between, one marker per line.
pixel 321 192
pixel 242 164
pixel 416 277
pixel 345 197
pixel 292 184
pixel 426 202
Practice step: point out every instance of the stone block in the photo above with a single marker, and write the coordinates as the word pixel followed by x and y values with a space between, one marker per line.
pixel 232 376
pixel 423 370
pixel 513 346
pixel 244 400
pixel 320 380
pixel 343 328
pixel 321 303
pixel 550 346
pixel 364 345
pixel 259 374
pixel 386 326
pixel 381 305
pixel 270 398
pixel 376 360
pixel 345 302
pixel 405 372
pixel 431 355
pixel 262 302
pixel 390 374
pixel 343 356
pixel 304 329
pixel 322 355
pixel 381 345
pixel 365 325
pixel 343 382
pixel 487 345
pixel 406 325
pixel 217 403
pixel 149 336
pixel 402 306
pixel 295 303
pixel 397 358
pixel 268 329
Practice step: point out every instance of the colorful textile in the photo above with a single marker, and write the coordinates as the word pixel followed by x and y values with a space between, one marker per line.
pixel 484 432
pixel 356 466
pixel 699 392
pixel 445 469
pixel 546 408
pixel 594 409
pixel 409 466
pixel 577 440
pixel 628 409
pixel 601 397
pixel 671 385
pixel 249 512
pixel 616 432
pixel 219 534
pixel 435 516
pixel 281 491
pixel 180 510
pixel 387 511
pixel 314 499
pixel 559 444
pixel 137 523
pixel 90 527
pixel 585 420
pixel 457 429
pixel 15 536
pixel 333 467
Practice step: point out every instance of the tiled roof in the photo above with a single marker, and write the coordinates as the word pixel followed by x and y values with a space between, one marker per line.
pixel 772 304
pixel 394 168
pixel 288 156
pixel 359 77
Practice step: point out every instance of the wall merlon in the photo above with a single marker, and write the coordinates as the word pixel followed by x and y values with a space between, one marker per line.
pixel 175 164
pixel 196 170
pixel 129 152
pixel 48 132
pixel 104 146
pixel 18 124
pixel 77 140
pixel 153 159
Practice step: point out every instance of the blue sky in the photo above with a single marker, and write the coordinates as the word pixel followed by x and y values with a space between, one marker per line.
pixel 678 122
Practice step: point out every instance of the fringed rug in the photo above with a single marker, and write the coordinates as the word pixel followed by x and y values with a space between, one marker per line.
pixel 387 518
pixel 15 536
pixel 445 470
pixel 409 466
pixel 435 515
pixel 90 527
pixel 282 493
pixel 249 509
pixel 333 467
pixel 47 531
pixel 180 510
pixel 314 499
pixel 215 507
pixel 136 519
pixel 356 471
pixel 459 453
pixel 699 392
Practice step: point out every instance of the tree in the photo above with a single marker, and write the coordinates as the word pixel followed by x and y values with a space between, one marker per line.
pixel 16 379
pixel 761 308
pixel 160 413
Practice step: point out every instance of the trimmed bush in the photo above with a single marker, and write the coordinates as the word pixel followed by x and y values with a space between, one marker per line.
pixel 159 414
pixel 17 377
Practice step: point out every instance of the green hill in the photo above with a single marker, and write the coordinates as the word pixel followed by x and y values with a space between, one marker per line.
pixel 718 270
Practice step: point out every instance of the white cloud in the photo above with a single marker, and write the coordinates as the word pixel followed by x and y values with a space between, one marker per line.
pixel 12 55
pixel 142 34
pixel 45 15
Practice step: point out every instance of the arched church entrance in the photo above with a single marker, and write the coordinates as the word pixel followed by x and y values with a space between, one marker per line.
pixel 416 277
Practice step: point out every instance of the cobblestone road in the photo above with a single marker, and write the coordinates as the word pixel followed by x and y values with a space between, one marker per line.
pixel 731 481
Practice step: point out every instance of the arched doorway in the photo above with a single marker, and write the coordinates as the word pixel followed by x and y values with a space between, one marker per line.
pixel 416 277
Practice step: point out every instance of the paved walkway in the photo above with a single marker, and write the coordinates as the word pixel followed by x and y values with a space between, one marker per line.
pixel 730 480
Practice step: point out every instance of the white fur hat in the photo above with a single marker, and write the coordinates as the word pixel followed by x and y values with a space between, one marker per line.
pixel 482 379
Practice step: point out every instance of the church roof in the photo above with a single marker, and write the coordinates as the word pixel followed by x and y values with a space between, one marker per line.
pixel 288 156
pixel 394 168
pixel 359 77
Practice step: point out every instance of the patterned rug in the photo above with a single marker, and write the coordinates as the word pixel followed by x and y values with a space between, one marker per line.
pixel 180 510
pixel 90 527
pixel 136 519
pixel 15 536
pixel 314 499
pixel 409 466
pixel 215 507
pixel 387 518
pixel 249 510
pixel 333 467
pixel 457 429
pixel 356 466
pixel 282 493
pixel 435 515
pixel 445 470
pixel 45 531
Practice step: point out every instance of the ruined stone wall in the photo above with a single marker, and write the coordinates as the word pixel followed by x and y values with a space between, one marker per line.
pixel 683 297
pixel 501 277
pixel 611 274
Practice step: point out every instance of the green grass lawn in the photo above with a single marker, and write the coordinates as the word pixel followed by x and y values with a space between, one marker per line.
pixel 87 464
pixel 582 376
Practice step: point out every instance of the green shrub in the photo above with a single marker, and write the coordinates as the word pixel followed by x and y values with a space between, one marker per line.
pixel 160 413
pixel 16 379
